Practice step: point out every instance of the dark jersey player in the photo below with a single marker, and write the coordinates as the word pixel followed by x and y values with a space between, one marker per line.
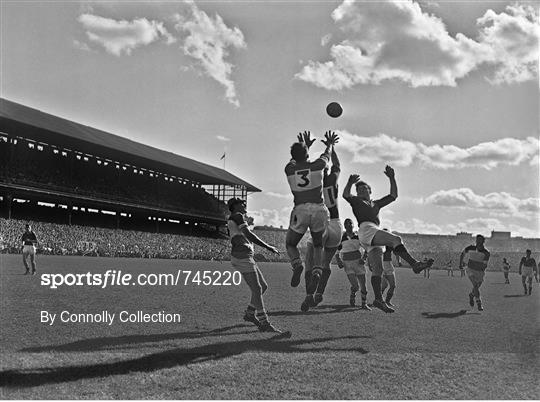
pixel 371 237
pixel 29 241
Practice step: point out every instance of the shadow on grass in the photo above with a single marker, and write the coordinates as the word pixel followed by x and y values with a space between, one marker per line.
pixel 164 360
pixel 108 343
pixel 323 309
pixel 446 315
pixel 520 295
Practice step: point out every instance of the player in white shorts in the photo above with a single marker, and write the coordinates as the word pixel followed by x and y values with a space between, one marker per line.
pixel 242 260
pixel 527 268
pixel 316 280
pixel 29 241
pixel 351 259
pixel 476 267
pixel 305 179
pixel 371 237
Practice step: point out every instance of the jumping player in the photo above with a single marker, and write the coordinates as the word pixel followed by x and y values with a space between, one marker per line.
pixel 351 259
pixel 306 182
pixel 476 268
pixel 29 242
pixel 316 284
pixel 527 266
pixel 242 253
pixel 506 270
pixel 371 237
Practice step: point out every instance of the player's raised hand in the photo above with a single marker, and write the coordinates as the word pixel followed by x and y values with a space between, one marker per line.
pixel 354 178
pixel 389 172
pixel 330 138
pixel 273 249
pixel 305 137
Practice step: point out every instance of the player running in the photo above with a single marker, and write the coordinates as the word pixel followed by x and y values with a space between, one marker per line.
pixel 371 237
pixel 306 182
pixel 506 270
pixel 527 266
pixel 316 284
pixel 476 268
pixel 242 260
pixel 350 258
pixel 29 242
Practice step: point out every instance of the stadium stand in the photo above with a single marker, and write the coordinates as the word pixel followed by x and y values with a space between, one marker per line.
pixel 64 172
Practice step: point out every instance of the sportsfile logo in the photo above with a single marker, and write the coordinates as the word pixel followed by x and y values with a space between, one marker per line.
pixel 118 278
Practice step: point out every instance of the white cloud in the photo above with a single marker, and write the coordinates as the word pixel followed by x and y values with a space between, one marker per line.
pixel 81 46
pixel 208 41
pixel 122 37
pixel 271 217
pixel 500 202
pixel 279 195
pixel 223 138
pixel 513 38
pixel 386 149
pixel 395 39
pixel 326 39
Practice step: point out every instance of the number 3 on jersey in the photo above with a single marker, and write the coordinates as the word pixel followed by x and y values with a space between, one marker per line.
pixel 303 177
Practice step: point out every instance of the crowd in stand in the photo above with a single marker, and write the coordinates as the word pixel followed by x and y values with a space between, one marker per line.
pixel 93 241
pixel 101 179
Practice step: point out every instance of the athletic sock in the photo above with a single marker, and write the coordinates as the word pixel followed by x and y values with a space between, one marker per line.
pixel 323 281
pixel 250 310
pixel 364 297
pixel 376 284
pixel 402 252
pixel 307 279
pixel 389 294
pixel 296 263
pixel 262 317
pixel 311 286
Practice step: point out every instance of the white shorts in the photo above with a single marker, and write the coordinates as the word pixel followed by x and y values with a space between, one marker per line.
pixel 476 277
pixel 366 232
pixel 527 271
pixel 244 265
pixel 332 234
pixel 29 250
pixel 310 215
pixel 353 267
pixel 388 268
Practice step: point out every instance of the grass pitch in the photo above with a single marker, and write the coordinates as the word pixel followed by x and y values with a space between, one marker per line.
pixel 433 347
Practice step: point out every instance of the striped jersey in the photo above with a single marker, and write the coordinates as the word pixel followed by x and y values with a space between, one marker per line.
pixel 349 249
pixel 478 258
pixel 241 246
pixel 29 238
pixel 306 179
pixel 330 191
pixel 528 262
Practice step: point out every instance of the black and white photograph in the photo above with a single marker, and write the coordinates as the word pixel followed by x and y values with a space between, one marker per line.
pixel 269 200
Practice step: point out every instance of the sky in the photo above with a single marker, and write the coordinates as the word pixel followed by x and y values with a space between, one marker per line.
pixel 446 92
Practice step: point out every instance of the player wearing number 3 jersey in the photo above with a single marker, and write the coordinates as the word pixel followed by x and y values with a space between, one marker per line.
pixel 306 182
pixel 316 280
